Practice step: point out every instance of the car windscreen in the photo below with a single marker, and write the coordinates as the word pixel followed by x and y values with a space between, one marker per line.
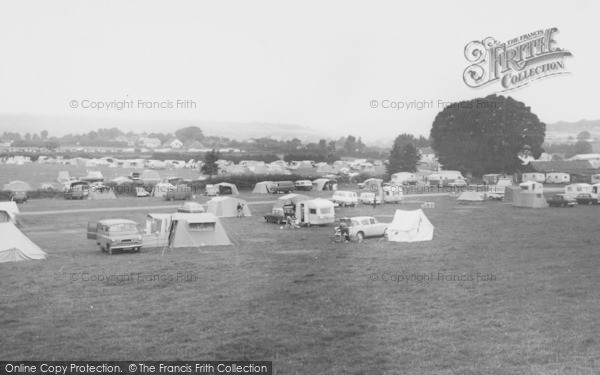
pixel 122 228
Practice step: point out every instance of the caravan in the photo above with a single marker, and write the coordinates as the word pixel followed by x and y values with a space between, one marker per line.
pixel 534 176
pixel 573 190
pixel 392 194
pixel 403 178
pixel 558 178
pixel 315 212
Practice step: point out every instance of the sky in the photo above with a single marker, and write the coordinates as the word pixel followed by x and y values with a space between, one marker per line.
pixel 318 64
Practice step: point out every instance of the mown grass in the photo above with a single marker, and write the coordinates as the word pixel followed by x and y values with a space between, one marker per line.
pixel 310 306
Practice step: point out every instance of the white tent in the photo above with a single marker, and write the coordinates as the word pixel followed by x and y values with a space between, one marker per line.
pixel 410 226
pixel 227 206
pixel 262 187
pixel 195 230
pixel 8 212
pixel 15 246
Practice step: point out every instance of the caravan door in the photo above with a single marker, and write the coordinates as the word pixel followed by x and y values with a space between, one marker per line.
pixel 92 231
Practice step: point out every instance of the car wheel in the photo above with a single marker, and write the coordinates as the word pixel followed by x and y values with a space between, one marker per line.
pixel 109 249
pixel 360 236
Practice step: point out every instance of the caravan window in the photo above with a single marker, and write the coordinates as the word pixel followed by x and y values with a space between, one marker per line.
pixel 312 211
pixel 201 227
pixel 326 210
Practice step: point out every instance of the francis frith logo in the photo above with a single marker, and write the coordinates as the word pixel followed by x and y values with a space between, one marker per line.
pixel 514 63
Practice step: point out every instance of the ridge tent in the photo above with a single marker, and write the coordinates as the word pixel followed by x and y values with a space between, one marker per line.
pixel 263 187
pixel 225 188
pixel 288 200
pixel 8 212
pixel 15 246
pixel 529 199
pixel 410 226
pixel 510 192
pixel 470 197
pixel 226 206
pixel 195 230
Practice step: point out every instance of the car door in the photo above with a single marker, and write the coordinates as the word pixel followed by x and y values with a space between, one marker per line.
pixel 366 227
pixel 92 231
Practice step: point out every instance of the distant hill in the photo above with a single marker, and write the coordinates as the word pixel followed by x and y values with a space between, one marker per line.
pixel 593 126
pixel 61 125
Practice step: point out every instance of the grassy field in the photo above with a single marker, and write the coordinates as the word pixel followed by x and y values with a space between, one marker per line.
pixel 316 307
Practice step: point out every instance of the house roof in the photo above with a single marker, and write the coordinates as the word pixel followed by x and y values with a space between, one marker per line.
pixel 566 166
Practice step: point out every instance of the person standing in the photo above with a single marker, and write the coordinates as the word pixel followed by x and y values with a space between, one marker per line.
pixel 240 210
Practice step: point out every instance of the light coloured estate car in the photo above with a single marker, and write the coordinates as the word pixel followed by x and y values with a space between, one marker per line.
pixel 367 198
pixel 115 234
pixel 345 198
pixel 362 227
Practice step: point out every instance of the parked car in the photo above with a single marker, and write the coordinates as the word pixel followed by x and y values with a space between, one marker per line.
pixel 561 200
pixel 115 234
pixel 345 198
pixel 282 187
pixel 18 196
pixel 78 190
pixel 458 183
pixel 367 198
pixel 179 192
pixel 586 198
pixel 362 227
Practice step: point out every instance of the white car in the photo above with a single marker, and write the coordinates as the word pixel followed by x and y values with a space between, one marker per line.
pixel 459 182
pixel 345 198
pixel 367 198
pixel 362 227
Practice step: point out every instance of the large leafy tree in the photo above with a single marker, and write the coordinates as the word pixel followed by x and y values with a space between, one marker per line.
pixel 404 156
pixel 485 135
pixel 190 133
pixel 210 166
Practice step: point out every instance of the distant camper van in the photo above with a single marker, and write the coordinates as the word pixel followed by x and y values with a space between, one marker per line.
pixel 283 187
pixel 345 198
pixel 595 179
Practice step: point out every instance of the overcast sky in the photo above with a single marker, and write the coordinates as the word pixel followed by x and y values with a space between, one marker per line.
pixel 313 63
